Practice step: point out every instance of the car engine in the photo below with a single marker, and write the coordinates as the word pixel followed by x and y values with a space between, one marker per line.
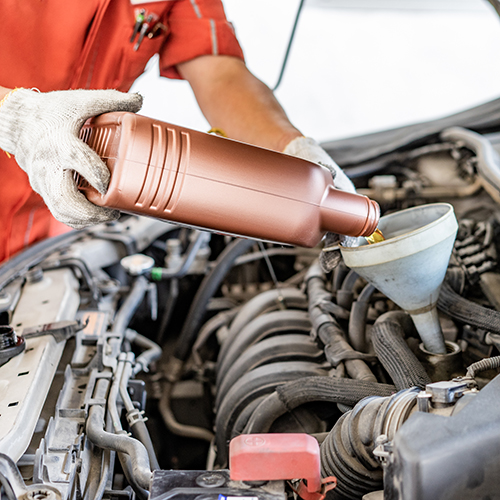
pixel 141 359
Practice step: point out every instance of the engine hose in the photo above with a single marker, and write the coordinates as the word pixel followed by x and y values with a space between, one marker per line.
pixel 121 443
pixel 19 264
pixel 357 319
pixel 278 298
pixel 312 389
pixel 214 324
pixel 205 292
pixel 128 472
pixel 173 294
pixel 337 349
pixel 483 365
pixel 261 381
pixel 114 424
pixel 171 423
pixel 134 416
pixel 272 350
pixel 273 323
pixel 345 295
pixel 151 353
pixel 466 311
pixel 348 457
pixel 339 275
pixel 243 418
pixel 130 305
pixel 388 334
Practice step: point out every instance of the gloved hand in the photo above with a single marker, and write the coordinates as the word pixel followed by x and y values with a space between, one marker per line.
pixel 308 149
pixel 41 130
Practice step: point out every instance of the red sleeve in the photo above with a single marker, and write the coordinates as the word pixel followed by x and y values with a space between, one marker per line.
pixel 196 28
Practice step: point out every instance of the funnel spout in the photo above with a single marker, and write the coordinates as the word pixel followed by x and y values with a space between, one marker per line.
pixel 429 329
pixel 410 265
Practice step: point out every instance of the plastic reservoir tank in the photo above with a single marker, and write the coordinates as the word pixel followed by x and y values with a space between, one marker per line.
pixel 201 180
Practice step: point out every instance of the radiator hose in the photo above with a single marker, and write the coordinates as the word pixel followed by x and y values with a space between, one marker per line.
pixel 388 334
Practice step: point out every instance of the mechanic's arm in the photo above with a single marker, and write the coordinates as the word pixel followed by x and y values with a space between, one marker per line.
pixel 234 100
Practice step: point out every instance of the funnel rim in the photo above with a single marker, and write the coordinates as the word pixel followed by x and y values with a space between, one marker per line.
pixel 450 212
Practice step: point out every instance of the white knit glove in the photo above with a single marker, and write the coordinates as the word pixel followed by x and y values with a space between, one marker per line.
pixel 41 130
pixel 308 149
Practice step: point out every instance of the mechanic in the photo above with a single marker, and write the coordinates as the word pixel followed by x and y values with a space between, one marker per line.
pixel 57 55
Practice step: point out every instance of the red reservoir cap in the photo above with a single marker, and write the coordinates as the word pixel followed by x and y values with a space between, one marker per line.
pixel 269 457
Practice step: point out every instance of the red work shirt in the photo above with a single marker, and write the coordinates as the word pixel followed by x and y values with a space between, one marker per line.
pixel 61 44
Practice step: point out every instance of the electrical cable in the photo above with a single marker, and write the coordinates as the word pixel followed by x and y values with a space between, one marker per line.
pixel 205 292
pixel 290 41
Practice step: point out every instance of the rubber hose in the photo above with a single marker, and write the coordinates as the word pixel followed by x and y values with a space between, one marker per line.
pixel 328 330
pixel 357 319
pixel 205 292
pixel 483 365
pixel 466 311
pixel 244 416
pixel 353 479
pixel 345 295
pixel 171 423
pixel 334 341
pixel 130 305
pixel 388 334
pixel 128 472
pixel 121 443
pixel 151 353
pixel 312 389
pixel 140 432
pixel 173 294
pixel 347 451
pixel 339 275
pixel 261 381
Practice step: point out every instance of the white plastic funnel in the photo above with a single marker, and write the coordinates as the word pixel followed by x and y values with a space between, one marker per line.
pixel 410 265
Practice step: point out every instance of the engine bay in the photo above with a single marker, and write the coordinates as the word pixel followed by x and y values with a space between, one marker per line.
pixel 133 353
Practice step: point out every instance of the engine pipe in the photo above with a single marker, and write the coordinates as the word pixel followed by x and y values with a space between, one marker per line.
pixel 346 453
pixel 329 332
pixel 121 443
pixel 312 389
pixel 388 334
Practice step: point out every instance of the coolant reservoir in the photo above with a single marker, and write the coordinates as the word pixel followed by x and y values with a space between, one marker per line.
pixel 193 178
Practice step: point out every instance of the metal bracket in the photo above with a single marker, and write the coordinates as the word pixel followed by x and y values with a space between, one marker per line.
pixel 60 330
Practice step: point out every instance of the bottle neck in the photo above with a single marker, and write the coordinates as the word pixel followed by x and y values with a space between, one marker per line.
pixel 348 213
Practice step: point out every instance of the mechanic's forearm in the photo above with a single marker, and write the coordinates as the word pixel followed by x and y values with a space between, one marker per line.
pixel 232 99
